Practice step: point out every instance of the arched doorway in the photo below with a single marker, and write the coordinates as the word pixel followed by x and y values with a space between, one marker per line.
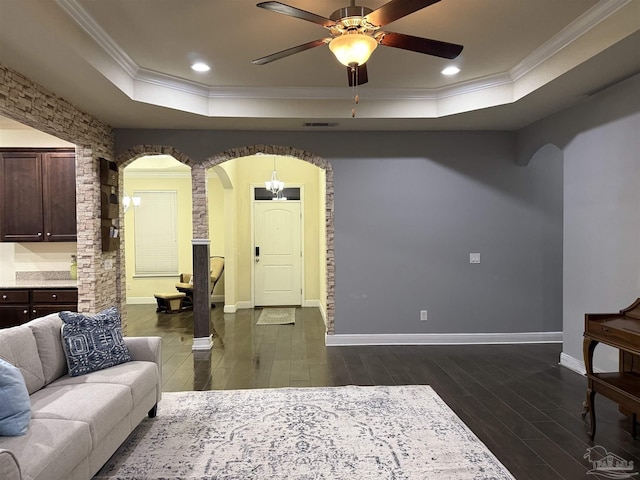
pixel 200 207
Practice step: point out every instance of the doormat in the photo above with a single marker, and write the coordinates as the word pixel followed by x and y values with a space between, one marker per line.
pixel 277 316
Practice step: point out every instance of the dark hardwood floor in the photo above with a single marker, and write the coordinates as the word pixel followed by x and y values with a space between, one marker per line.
pixel 515 398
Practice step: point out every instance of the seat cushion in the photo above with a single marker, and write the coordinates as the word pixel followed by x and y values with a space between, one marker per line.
pixel 46 331
pixel 170 295
pixel 50 449
pixel 18 347
pixel 140 377
pixel 217 266
pixel 100 405
pixel 15 408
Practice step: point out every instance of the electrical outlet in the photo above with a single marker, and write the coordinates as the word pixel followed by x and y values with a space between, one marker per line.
pixel 474 258
pixel 423 315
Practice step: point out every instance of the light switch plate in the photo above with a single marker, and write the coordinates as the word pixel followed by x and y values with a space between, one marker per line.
pixel 474 258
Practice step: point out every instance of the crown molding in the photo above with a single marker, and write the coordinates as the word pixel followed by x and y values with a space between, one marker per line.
pixel 102 38
pixel 581 25
pixel 505 81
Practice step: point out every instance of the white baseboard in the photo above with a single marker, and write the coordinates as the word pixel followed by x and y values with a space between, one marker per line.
pixel 202 343
pixel 323 313
pixel 575 364
pixel 238 306
pixel 572 363
pixel 443 338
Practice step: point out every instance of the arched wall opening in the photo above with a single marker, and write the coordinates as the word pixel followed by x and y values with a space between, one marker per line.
pixel 200 200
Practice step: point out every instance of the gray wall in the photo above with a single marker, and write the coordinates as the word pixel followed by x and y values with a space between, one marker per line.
pixel 600 141
pixel 409 208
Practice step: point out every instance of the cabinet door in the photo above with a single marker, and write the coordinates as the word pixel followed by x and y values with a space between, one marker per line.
pixel 21 197
pixel 12 315
pixel 59 196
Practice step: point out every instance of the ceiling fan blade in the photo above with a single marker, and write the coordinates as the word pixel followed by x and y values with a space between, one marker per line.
pixel 395 9
pixel 420 45
pixel 296 12
pixel 358 76
pixel 290 51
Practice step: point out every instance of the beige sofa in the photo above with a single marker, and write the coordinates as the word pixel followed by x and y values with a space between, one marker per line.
pixel 77 423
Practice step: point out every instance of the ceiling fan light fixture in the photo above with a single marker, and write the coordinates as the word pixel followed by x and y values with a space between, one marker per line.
pixel 353 48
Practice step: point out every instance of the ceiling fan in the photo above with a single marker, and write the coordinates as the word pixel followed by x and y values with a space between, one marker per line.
pixel 355 33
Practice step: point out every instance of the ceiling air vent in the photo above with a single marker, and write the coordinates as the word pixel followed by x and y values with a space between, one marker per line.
pixel 320 124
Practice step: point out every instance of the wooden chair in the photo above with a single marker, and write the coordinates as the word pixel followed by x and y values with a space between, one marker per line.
pixel 185 285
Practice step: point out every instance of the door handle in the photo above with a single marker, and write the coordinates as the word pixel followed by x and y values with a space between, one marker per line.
pixel 257 251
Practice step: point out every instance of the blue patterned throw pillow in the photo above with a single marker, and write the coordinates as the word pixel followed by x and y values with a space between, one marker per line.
pixel 15 406
pixel 93 343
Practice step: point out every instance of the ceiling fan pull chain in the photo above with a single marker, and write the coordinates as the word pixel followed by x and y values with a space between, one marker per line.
pixel 355 82
pixel 356 98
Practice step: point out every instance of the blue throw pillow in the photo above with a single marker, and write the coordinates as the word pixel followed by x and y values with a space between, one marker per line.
pixel 93 343
pixel 15 407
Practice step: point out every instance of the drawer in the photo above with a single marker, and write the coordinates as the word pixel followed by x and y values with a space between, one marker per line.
pixel 612 336
pixel 42 310
pixel 55 296
pixel 14 296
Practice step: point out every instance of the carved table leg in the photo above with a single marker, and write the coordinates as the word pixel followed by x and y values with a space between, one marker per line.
pixel 591 394
pixel 588 346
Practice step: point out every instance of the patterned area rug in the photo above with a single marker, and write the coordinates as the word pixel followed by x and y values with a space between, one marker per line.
pixel 335 433
pixel 277 316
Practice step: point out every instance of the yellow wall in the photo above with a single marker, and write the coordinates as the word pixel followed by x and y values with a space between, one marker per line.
pixel 255 170
pixel 215 197
pixel 141 289
pixel 229 205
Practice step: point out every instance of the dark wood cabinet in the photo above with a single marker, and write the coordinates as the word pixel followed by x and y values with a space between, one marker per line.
pixel 46 301
pixel 18 306
pixel 622 331
pixel 14 307
pixel 59 196
pixel 38 197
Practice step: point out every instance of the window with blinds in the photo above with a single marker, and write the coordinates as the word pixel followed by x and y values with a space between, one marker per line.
pixel 156 233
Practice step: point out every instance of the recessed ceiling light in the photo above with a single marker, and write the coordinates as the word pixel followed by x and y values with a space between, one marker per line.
pixel 200 67
pixel 450 70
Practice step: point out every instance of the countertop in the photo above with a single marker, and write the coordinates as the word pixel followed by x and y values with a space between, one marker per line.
pixel 38 283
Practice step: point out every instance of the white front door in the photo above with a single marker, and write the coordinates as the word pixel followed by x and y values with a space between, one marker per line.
pixel 277 253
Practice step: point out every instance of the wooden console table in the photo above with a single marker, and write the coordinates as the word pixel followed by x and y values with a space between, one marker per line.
pixel 622 331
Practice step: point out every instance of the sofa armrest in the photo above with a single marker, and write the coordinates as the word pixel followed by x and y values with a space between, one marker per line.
pixel 147 349
pixel 9 468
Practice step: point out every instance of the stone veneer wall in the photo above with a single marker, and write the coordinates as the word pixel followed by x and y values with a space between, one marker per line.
pixel 200 214
pixel 27 102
